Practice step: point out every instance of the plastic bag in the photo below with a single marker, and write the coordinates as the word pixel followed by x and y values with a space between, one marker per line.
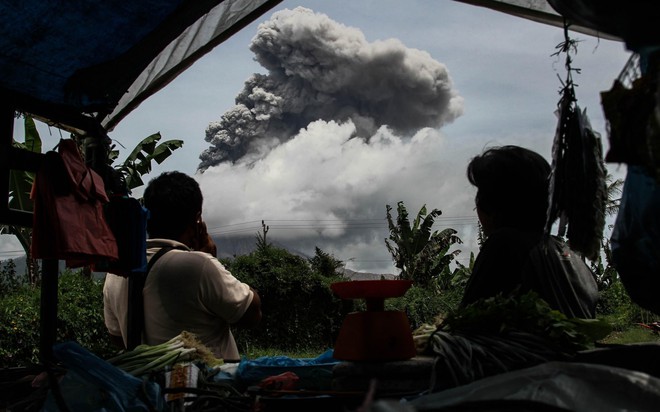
pixel 92 384
pixel 550 386
pixel 314 373
pixel 562 279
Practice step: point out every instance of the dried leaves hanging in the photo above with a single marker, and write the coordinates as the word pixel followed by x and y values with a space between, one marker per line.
pixel 578 191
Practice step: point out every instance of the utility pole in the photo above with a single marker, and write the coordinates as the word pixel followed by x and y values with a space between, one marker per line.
pixel 265 230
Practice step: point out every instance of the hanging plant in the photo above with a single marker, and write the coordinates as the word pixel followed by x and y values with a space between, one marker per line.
pixel 577 189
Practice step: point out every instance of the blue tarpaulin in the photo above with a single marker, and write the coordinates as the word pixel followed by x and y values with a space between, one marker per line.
pixel 60 60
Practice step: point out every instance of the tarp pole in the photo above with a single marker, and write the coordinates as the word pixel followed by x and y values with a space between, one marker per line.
pixel 135 314
pixel 7 131
pixel 12 158
pixel 48 309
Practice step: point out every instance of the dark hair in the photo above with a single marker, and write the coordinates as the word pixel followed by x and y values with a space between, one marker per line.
pixel 174 200
pixel 512 185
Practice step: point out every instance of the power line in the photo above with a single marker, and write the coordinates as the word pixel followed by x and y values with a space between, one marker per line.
pixel 324 224
pixel 362 220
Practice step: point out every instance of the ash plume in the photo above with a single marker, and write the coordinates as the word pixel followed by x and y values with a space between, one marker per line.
pixel 318 69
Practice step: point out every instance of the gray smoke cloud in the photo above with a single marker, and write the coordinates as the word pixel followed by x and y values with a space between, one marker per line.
pixel 325 188
pixel 336 130
pixel 319 69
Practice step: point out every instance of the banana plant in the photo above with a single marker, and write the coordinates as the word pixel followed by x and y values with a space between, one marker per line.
pixel 139 161
pixel 420 254
pixel 20 186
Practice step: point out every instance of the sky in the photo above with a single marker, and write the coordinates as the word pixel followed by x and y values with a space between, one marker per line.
pixel 319 114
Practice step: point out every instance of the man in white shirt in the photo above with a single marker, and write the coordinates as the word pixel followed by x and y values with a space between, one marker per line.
pixel 187 288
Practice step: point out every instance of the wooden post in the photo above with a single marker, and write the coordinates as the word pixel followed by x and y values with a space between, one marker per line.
pixel 7 131
pixel 48 309
pixel 11 158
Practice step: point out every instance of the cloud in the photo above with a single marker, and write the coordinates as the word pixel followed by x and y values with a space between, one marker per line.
pixel 319 69
pixel 336 130
pixel 326 188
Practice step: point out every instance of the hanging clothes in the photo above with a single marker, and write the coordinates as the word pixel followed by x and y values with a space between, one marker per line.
pixel 636 238
pixel 68 219
pixel 633 117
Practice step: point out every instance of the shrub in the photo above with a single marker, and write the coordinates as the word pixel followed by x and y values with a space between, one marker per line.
pixel 9 280
pixel 80 318
pixel 325 264
pixel 19 327
pixel 616 306
pixel 80 313
pixel 300 312
pixel 424 305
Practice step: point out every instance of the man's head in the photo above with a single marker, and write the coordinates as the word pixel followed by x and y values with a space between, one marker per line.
pixel 174 201
pixel 512 188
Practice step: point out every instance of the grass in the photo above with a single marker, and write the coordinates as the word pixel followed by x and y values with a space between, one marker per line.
pixel 635 334
pixel 257 352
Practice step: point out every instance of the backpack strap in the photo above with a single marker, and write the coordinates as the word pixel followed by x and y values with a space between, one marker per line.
pixel 135 321
pixel 155 257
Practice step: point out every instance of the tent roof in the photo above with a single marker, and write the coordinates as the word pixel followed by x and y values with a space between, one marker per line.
pixel 87 63
pixel 540 11
pixel 633 22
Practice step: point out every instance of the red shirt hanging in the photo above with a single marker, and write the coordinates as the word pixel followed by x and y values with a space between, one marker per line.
pixel 68 220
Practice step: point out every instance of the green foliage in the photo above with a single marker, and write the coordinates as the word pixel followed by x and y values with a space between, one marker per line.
pixel 80 318
pixel 616 306
pixel 19 327
pixel 20 187
pixel 481 237
pixel 502 334
pixel 527 313
pixel 325 264
pixel 80 313
pixel 262 243
pixel 614 302
pixel 138 162
pixel 20 183
pixel 254 352
pixel 425 305
pixel 9 281
pixel 449 280
pixel 612 297
pixel 420 254
pixel 635 334
pixel 299 309
pixel 614 190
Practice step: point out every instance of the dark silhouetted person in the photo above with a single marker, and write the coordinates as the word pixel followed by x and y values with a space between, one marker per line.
pixel 516 257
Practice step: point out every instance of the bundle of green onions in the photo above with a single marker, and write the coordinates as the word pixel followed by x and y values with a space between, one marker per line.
pixel 422 336
pixel 151 358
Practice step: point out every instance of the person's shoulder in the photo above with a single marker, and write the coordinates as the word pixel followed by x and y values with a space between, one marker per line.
pixel 158 243
pixel 516 235
pixel 511 241
pixel 191 256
